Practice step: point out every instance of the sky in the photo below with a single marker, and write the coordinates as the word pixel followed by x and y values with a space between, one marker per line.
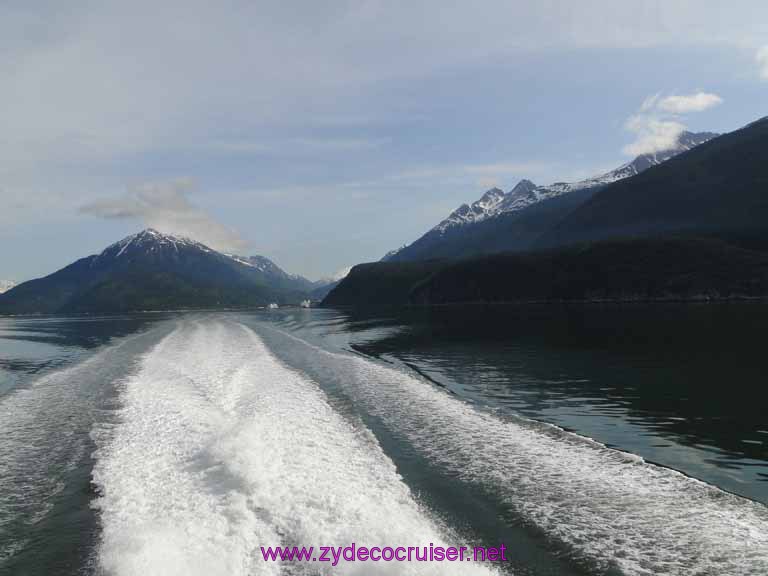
pixel 323 134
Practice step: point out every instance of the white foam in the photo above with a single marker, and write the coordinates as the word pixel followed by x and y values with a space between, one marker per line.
pixel 611 508
pixel 220 450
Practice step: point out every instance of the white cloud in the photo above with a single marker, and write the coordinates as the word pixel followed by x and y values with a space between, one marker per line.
pixel 688 103
pixel 652 134
pixel 166 207
pixel 658 124
pixel 97 94
pixel 650 102
pixel 762 61
pixel 102 79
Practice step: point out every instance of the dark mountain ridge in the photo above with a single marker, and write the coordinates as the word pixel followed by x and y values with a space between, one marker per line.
pixel 152 271
pixel 514 221
pixel 676 268
pixel 692 227
pixel 719 187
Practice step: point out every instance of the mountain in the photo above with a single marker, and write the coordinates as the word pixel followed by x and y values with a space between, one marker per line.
pixel 458 235
pixel 321 288
pixel 692 227
pixel 676 268
pixel 380 283
pixel 6 285
pixel 512 231
pixel 718 188
pixel 271 274
pixel 152 271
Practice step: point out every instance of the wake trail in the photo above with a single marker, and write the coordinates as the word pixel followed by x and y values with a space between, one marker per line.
pixel 614 510
pixel 220 449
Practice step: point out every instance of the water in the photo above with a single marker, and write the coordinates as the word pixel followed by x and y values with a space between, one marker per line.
pixel 587 440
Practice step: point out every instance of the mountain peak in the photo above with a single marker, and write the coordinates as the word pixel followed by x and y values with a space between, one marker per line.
pixel 153 234
pixel 691 139
pixel 495 202
pixel 150 240
pixel 474 212
pixel 492 193
pixel 522 195
pixel 152 270
pixel 524 184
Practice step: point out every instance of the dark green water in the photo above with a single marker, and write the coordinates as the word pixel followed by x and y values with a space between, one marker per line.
pixel 684 386
pixel 175 444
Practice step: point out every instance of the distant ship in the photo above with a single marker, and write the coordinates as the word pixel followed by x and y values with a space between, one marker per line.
pixel 306 304
pixel 273 306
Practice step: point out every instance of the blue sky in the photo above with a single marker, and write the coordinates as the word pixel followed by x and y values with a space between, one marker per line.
pixel 322 134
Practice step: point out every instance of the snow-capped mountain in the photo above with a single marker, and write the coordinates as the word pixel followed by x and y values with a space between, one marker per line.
pixel 512 220
pixel 321 288
pixel 341 274
pixel 334 278
pixel 155 271
pixel 273 273
pixel 525 193
pixel 152 242
pixel 149 242
pixel 6 285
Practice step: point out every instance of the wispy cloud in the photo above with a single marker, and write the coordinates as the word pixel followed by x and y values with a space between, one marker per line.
pixel 683 104
pixel 652 134
pixel 658 124
pixel 166 207
pixel 762 62
pixel 292 146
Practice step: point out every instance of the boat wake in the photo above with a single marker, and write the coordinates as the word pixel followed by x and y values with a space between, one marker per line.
pixel 219 449
pixel 611 509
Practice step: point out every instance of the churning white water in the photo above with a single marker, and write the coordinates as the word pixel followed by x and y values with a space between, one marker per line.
pixel 611 508
pixel 219 449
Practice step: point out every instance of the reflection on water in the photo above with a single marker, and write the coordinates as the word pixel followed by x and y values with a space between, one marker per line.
pixel 683 386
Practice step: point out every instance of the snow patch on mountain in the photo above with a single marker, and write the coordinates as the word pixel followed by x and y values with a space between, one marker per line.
pixel 147 241
pixel 526 193
pixel 341 274
pixel 6 285
pixel 265 265
pixel 151 241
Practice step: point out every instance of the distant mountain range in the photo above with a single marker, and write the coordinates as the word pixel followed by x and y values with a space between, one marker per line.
pixel 719 187
pixel 322 287
pixel 6 285
pixel 275 276
pixel 155 271
pixel 460 234
pixel 689 224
